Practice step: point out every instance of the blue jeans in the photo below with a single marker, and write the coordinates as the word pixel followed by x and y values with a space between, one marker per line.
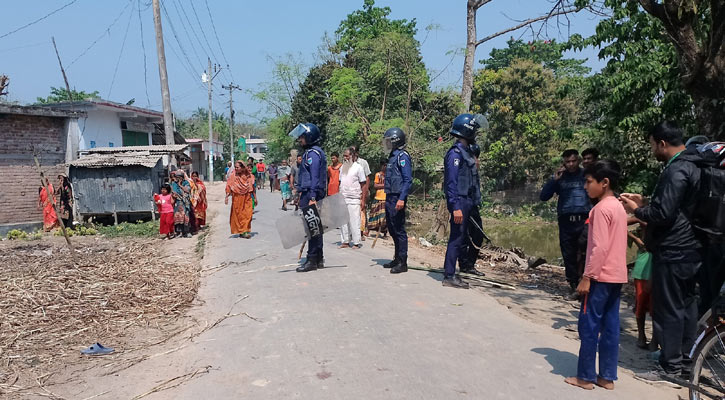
pixel 395 221
pixel 457 250
pixel 599 330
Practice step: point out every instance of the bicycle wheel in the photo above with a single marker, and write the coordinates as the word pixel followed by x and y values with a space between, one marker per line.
pixel 708 369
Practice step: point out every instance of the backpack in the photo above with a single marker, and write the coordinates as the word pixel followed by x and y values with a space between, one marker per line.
pixel 708 217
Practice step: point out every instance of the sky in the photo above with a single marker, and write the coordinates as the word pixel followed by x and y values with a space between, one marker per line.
pixel 109 45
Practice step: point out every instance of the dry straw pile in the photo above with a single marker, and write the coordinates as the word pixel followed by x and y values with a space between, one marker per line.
pixel 51 308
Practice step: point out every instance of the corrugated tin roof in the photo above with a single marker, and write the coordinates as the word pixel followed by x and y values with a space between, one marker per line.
pixel 117 160
pixel 158 149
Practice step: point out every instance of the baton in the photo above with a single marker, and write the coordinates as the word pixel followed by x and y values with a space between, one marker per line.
pixel 480 229
pixel 380 229
pixel 299 256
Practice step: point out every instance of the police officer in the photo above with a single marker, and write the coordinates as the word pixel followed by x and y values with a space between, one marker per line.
pixel 311 185
pixel 475 237
pixel 398 179
pixel 463 193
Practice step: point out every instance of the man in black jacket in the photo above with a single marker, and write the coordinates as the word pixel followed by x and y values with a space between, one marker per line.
pixel 675 249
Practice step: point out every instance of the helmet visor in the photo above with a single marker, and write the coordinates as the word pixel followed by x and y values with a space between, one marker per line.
pixel 481 121
pixel 387 144
pixel 299 130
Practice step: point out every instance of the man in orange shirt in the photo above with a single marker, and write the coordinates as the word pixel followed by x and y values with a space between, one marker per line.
pixel 333 174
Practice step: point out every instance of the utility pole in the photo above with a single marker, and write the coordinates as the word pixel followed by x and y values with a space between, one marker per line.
pixel 231 88
pixel 209 78
pixel 164 78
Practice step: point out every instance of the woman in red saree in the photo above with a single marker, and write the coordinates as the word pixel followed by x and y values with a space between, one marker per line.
pixel 45 202
pixel 200 200
pixel 240 186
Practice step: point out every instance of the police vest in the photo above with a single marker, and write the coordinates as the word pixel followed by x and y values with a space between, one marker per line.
pixel 469 184
pixel 305 171
pixel 394 174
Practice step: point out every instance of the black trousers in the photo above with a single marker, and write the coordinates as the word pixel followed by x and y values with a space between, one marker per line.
pixel 474 240
pixel 711 275
pixel 674 302
pixel 570 228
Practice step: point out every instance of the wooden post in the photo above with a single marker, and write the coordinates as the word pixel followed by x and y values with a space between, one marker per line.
pixel 164 78
pixel 115 214
pixel 153 212
pixel 51 197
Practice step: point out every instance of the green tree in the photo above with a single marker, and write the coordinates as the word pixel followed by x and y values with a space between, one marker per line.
pixel 528 120
pixel 677 45
pixel 549 53
pixel 369 23
pixel 58 95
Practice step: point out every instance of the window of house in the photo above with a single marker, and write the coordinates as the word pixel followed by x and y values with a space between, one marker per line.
pixel 133 138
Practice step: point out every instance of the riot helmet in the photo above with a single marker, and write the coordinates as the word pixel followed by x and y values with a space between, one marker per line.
pixel 394 138
pixel 310 132
pixel 466 126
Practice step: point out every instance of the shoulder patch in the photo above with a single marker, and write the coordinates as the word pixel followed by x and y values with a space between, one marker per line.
pixel 402 163
pixel 309 161
pixel 456 161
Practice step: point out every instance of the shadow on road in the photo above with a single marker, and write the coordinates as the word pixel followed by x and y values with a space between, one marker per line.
pixel 562 362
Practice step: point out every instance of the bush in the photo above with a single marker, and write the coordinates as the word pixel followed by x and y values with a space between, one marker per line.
pixel 16 234
pixel 139 229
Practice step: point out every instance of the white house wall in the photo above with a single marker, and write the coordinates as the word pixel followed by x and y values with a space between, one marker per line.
pixel 101 127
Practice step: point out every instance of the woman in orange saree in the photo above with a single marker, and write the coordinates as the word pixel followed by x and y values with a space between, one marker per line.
pixel 50 218
pixel 240 186
pixel 200 197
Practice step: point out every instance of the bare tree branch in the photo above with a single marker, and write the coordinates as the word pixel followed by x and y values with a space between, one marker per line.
pixel 528 22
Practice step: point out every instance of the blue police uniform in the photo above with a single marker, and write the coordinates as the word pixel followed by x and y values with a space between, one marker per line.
pixel 463 192
pixel 573 210
pixel 398 180
pixel 311 184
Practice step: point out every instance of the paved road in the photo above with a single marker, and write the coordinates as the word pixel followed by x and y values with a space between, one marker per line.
pixel 350 331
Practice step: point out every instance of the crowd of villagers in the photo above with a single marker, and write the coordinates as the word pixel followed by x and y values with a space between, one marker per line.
pixel 60 197
pixel 182 205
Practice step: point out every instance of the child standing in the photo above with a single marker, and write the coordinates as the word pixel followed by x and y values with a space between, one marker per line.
pixel 642 276
pixel 601 285
pixel 166 210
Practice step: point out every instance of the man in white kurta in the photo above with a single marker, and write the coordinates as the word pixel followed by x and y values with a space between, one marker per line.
pixel 352 181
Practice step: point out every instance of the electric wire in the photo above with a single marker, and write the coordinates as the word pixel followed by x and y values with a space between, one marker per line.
pixel 189 66
pixel 39 19
pixel 120 53
pixel 143 49
pixel 218 42
pixel 183 25
pixel 201 28
pixel 105 32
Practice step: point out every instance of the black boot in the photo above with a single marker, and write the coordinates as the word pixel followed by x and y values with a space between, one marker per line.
pixel 471 269
pixel 392 263
pixel 455 282
pixel 309 265
pixel 401 267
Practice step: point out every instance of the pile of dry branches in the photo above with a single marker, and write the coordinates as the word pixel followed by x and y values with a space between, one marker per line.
pixel 51 308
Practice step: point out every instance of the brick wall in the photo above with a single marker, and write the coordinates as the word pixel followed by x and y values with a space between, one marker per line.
pixel 19 179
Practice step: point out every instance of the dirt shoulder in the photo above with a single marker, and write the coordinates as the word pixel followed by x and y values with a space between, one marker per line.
pixel 125 293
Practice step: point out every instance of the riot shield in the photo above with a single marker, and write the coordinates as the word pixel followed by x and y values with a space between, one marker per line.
pixel 330 213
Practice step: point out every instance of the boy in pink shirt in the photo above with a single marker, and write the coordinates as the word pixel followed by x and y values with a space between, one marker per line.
pixel 601 285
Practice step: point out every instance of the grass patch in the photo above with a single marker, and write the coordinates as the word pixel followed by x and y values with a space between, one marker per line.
pixel 126 229
pixel 201 242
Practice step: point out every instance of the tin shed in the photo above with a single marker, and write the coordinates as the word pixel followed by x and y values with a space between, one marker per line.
pixel 120 183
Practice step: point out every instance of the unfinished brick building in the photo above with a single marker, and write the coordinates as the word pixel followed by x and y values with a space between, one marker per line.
pixel 23 131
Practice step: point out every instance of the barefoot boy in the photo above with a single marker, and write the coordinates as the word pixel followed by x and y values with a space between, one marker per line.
pixel 601 285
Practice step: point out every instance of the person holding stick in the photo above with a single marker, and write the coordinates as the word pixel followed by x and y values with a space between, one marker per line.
pixel 601 285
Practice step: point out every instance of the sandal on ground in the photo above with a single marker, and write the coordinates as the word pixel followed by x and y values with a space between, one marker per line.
pixel 97 350
pixel 343 246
